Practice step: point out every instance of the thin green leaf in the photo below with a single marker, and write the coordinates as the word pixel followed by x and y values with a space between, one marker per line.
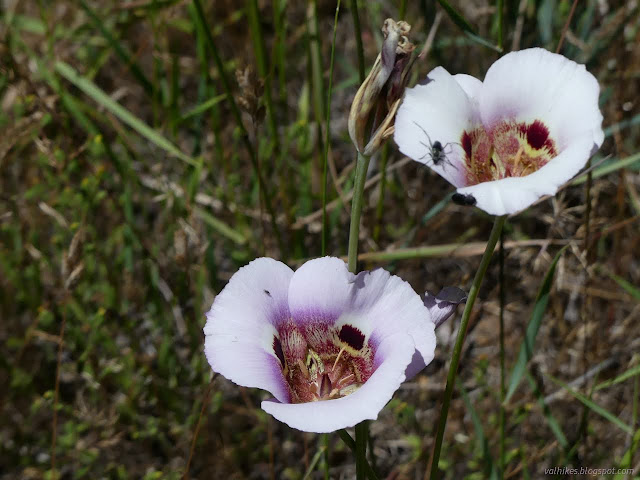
pixel 609 168
pixel 314 461
pixel 616 127
pixel 325 160
pixel 484 42
pixel 482 444
pixel 632 372
pixel 593 406
pixel 457 18
pixel 99 96
pixel 526 350
pixel 625 462
pixel 120 50
pixel 628 287
pixel 551 420
pixel 203 107
pixel 221 227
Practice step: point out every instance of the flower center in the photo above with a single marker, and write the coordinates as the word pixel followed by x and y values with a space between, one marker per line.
pixel 510 149
pixel 321 362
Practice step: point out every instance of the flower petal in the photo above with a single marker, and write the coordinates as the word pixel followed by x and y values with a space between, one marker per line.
pixel 392 358
pixel 444 304
pixel 513 194
pixel 470 84
pixel 436 111
pixel 535 84
pixel 241 326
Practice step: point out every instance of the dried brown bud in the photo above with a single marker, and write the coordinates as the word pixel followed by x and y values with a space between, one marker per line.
pixel 374 107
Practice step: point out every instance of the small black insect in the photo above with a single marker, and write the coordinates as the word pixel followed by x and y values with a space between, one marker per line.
pixel 463 199
pixel 267 293
pixel 435 150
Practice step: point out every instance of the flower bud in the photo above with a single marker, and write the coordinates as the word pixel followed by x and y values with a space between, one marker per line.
pixel 374 107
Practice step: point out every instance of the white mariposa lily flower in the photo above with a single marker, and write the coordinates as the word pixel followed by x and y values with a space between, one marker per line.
pixel 331 347
pixel 505 142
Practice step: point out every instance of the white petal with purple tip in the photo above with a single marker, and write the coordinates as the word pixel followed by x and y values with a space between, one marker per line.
pixel 241 325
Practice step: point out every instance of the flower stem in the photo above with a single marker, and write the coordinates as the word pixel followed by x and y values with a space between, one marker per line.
pixel 362 432
pixel 325 160
pixel 457 349
pixel 362 165
pixel 502 416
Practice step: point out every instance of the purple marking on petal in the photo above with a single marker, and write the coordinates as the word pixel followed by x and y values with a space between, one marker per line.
pixel 467 145
pixel 352 337
pixel 537 134
pixel 277 349
pixel 426 81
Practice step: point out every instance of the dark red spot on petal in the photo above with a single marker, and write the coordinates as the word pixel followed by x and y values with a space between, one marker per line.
pixel 352 337
pixel 277 349
pixel 466 144
pixel 537 134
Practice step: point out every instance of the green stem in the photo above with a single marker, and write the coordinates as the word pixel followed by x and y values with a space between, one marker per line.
pixel 358 35
pixel 502 376
pixel 403 9
pixel 362 432
pixel 201 17
pixel 457 349
pixel 349 442
pixel 327 132
pixel 253 14
pixel 362 165
pixel 324 440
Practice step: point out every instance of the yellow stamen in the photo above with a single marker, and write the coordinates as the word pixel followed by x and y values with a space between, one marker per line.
pixel 337 358
pixel 516 160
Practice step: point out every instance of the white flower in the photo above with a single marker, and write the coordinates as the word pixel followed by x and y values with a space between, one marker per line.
pixel 505 142
pixel 331 347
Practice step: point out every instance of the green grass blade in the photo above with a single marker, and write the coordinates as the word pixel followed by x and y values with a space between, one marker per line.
pixel 626 286
pixel 457 18
pixel 625 462
pixel 482 444
pixel 314 461
pixel 632 372
pixel 221 227
pixel 99 96
pixel 253 15
pixel 593 406
pixel 526 350
pixel 551 420
pixel 327 136
pixel 203 107
pixel 610 167
pixel 121 52
pixel 484 42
